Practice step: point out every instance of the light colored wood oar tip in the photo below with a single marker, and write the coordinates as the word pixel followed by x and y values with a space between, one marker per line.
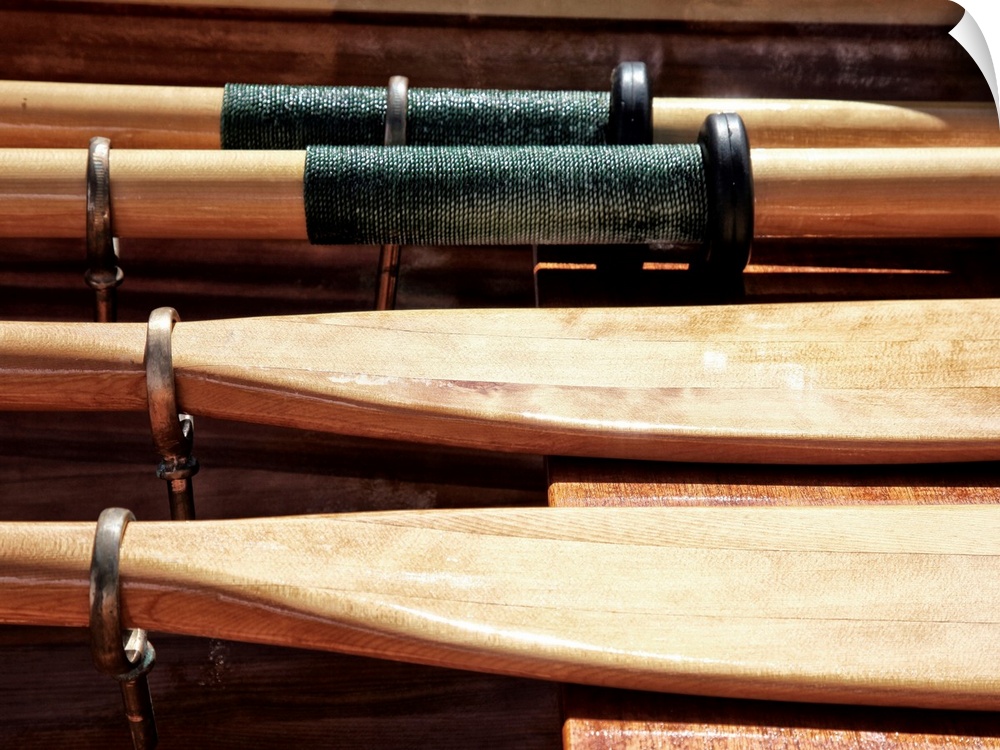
pixel 35 114
pixel 156 193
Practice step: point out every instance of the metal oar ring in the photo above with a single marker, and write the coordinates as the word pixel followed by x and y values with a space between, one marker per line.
pixel 173 432
pixel 103 274
pixel 129 657
pixel 123 657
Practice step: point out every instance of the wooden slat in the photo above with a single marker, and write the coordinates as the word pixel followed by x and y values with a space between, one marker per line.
pixel 106 44
pixel 916 12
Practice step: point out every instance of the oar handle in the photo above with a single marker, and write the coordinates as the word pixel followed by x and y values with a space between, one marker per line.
pixel 294 117
pixel 505 195
pixel 698 195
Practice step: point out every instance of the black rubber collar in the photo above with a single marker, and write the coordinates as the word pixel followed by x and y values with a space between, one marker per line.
pixel 631 120
pixel 729 180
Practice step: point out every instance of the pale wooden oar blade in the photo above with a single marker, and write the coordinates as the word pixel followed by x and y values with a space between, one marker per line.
pixel 881 382
pixel 890 605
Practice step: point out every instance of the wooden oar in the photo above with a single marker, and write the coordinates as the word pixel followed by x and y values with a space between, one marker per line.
pixel 876 605
pixel 947 192
pixel 870 382
pixel 67 115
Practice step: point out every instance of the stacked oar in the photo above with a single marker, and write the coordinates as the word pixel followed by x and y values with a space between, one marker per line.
pixel 807 384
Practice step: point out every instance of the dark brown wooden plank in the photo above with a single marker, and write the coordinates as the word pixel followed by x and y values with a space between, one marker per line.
pixel 90 42
pixel 43 279
pixel 236 695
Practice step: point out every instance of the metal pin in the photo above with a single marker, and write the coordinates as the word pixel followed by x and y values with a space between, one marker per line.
pixel 127 658
pixel 395 135
pixel 103 274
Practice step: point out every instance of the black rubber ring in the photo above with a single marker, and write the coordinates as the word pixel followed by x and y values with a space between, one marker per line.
pixel 631 119
pixel 729 180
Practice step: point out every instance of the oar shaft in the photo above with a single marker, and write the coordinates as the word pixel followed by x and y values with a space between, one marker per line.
pixel 934 192
pixel 877 193
pixel 827 123
pixel 194 194
pixel 67 115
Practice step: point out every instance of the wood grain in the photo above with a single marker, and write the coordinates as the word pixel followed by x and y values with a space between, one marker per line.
pixel 273 697
pixel 924 12
pixel 44 114
pixel 882 606
pixel 765 384
pixel 824 123
pixel 59 41
pixel 597 719
pixel 629 720
pixel 866 193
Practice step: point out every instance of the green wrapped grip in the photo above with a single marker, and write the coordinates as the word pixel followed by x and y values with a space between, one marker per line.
pixel 293 117
pixel 461 195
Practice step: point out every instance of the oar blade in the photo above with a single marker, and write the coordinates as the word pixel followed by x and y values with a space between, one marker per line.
pixel 892 605
pixel 893 382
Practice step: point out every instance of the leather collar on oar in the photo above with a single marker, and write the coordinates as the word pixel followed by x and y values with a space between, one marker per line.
pixel 875 605
pixel 840 383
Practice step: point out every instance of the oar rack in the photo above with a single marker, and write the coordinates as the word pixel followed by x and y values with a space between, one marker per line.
pixel 889 187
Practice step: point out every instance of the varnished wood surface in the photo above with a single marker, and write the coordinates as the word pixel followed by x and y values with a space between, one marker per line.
pixel 866 193
pixel 764 384
pixel 881 606
pixel 629 720
pixel 590 483
pixel 60 41
pixel 44 114
pixel 798 11
pixel 819 123
pixel 928 192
